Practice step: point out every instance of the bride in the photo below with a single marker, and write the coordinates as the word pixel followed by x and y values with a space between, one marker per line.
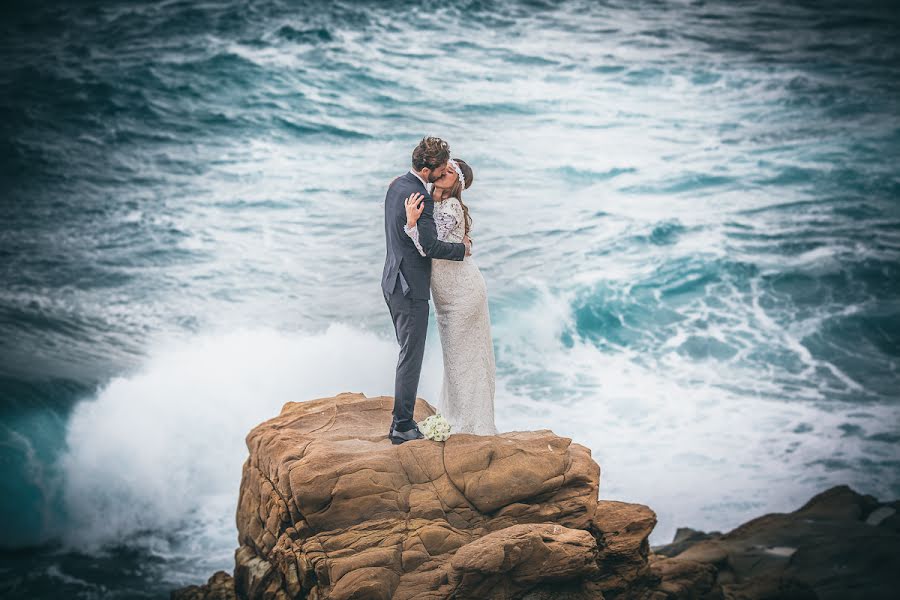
pixel 461 309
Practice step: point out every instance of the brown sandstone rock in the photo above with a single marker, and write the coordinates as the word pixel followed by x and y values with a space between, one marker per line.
pixel 622 531
pixel 683 579
pixel 330 509
pixel 219 587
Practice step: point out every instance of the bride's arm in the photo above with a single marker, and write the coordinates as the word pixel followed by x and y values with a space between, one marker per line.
pixel 455 216
pixel 429 241
pixel 444 225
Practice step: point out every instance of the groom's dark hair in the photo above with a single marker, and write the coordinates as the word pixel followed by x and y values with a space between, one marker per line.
pixel 431 152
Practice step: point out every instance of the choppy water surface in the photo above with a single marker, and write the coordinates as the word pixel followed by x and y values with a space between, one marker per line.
pixel 686 213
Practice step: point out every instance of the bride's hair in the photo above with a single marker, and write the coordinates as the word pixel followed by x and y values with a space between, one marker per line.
pixel 457 190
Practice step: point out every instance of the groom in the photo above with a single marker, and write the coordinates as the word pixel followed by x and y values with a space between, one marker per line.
pixel 406 279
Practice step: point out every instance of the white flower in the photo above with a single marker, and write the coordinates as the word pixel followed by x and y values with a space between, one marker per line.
pixel 435 428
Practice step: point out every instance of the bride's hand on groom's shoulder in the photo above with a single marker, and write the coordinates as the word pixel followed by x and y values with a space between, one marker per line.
pixel 414 208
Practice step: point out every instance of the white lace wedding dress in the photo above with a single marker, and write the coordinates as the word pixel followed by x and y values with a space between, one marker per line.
pixel 464 325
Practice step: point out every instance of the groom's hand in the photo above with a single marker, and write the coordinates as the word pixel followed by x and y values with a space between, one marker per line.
pixel 468 243
pixel 414 207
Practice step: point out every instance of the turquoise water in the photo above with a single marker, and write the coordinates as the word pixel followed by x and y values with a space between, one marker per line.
pixel 686 214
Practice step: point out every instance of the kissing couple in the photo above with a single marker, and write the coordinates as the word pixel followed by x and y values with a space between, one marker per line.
pixel 429 253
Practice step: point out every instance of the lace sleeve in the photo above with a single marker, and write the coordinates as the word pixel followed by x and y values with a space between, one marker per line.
pixel 446 219
pixel 413 233
pixel 456 207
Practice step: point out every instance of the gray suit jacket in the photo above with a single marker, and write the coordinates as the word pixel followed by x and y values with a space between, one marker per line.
pixel 403 259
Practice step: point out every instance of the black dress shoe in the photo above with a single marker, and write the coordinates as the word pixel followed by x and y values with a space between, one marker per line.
pixel 398 437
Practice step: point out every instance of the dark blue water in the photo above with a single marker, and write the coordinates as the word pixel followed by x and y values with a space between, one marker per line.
pixel 687 215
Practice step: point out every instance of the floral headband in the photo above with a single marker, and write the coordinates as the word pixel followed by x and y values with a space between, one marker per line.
pixel 455 165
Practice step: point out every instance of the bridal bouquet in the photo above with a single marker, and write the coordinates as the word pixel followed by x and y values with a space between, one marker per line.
pixel 435 428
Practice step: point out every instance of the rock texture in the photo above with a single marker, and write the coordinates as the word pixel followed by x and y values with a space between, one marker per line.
pixel 330 509
pixel 840 544
pixel 219 587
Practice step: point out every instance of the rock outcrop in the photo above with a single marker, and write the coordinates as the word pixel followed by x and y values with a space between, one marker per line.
pixel 330 509
pixel 219 587
pixel 840 544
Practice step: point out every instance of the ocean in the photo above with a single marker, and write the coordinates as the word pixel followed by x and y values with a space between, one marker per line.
pixel 687 215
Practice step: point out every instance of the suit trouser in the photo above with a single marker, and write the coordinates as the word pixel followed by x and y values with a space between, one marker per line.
pixel 410 318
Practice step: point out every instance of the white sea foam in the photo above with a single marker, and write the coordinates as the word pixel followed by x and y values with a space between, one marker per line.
pixel 161 450
pixel 158 450
pixel 706 443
